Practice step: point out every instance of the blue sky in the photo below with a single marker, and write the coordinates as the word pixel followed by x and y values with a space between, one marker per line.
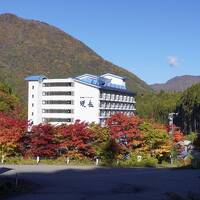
pixel 155 39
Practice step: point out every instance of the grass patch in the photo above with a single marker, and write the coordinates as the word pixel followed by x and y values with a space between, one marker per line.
pixel 132 162
pixel 58 161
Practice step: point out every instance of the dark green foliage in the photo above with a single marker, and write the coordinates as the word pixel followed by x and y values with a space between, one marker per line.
pixel 189 110
pixel 30 47
pixel 157 105
pixel 8 101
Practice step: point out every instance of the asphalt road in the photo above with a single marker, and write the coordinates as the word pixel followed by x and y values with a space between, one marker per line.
pixel 88 183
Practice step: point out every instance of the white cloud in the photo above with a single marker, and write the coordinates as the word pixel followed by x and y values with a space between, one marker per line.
pixel 172 61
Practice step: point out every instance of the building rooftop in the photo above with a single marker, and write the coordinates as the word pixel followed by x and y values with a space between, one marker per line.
pixel 35 78
pixel 102 82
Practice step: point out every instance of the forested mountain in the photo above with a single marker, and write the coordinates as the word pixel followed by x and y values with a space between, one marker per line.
pixel 157 106
pixel 31 47
pixel 177 84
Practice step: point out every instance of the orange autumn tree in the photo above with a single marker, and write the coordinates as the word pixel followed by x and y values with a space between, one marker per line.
pixel 157 141
pixel 125 135
pixel 177 134
pixel 11 131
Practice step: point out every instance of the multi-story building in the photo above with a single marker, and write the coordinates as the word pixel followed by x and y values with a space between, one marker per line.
pixel 88 98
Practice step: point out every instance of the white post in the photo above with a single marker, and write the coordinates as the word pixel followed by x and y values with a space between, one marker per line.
pixel 38 160
pixel 67 160
pixel 139 158
pixel 97 161
pixel 2 159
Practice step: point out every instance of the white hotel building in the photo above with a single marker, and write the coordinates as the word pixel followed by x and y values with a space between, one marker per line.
pixel 88 98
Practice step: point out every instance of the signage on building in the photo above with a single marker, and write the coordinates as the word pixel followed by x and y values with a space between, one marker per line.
pixel 87 102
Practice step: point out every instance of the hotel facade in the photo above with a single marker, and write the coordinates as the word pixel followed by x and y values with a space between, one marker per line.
pixel 88 98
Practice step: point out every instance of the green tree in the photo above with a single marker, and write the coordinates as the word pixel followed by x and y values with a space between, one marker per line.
pixel 8 100
pixel 188 108
pixel 156 106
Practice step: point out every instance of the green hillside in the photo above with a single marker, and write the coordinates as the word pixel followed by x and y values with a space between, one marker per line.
pixel 30 47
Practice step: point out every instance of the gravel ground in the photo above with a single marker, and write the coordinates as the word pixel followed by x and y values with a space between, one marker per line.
pixel 87 183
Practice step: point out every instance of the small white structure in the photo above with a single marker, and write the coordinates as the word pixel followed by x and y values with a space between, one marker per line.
pixel 88 98
pixel 139 158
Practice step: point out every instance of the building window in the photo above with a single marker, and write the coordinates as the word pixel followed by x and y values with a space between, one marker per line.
pixel 32 95
pixel 58 84
pixel 108 96
pixel 32 113
pixel 58 119
pixel 33 87
pixel 131 99
pixel 57 93
pixel 32 104
pixel 57 102
pixel 57 111
pixel 117 97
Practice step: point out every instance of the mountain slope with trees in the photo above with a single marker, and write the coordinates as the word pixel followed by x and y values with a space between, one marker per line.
pixel 157 106
pixel 30 47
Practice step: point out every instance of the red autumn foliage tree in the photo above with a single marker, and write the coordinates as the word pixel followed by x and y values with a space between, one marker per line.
pixel 76 140
pixel 11 131
pixel 124 130
pixel 41 141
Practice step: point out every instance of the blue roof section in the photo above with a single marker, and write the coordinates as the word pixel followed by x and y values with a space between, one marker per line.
pixel 99 81
pixel 105 87
pixel 35 78
pixel 102 83
pixel 113 75
pixel 86 83
pixel 118 90
pixel 86 75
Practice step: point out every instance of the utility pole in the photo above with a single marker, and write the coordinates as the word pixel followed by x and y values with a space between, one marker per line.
pixel 171 132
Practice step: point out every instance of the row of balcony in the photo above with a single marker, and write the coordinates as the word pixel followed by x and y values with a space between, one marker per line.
pixel 117 106
pixel 116 97
pixel 105 114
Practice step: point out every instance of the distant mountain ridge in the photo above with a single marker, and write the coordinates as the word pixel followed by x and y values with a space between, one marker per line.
pixel 29 47
pixel 177 84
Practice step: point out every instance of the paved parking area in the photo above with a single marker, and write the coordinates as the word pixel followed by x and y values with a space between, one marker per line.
pixel 85 183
